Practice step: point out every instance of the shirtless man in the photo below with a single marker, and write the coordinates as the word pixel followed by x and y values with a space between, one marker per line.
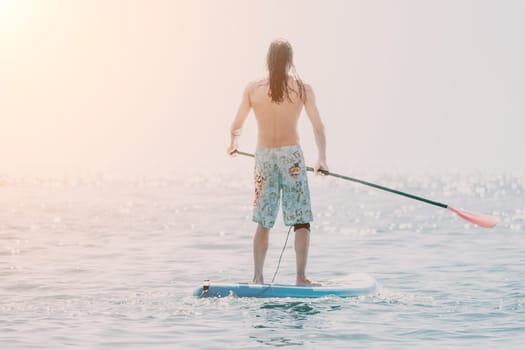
pixel 279 164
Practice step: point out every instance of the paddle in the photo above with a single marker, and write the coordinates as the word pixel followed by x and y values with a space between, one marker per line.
pixel 482 220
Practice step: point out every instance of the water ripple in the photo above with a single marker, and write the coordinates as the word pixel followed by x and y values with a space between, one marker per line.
pixel 102 262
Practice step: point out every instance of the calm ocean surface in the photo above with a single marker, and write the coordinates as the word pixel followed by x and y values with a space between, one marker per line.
pixel 111 263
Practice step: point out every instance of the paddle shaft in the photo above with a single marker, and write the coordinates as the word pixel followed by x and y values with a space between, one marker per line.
pixel 366 183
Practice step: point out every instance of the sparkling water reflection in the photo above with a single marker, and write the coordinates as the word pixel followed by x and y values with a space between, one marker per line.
pixel 111 263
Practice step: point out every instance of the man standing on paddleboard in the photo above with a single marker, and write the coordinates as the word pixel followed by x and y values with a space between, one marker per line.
pixel 280 171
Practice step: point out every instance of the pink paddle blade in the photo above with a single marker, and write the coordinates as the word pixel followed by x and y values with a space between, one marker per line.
pixel 482 220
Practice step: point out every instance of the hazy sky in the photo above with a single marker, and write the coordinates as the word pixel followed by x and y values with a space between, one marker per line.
pixel 152 86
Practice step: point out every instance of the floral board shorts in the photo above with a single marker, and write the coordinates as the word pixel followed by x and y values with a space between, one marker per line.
pixel 280 172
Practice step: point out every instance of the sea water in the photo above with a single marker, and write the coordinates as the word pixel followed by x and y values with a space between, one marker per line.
pixel 101 262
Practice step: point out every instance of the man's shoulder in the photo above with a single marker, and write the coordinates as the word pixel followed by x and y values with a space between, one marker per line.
pixel 254 84
pixel 307 86
pixel 309 91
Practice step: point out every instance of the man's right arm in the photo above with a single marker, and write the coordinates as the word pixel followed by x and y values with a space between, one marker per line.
pixel 318 128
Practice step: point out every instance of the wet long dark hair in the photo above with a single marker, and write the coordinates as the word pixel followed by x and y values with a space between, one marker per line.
pixel 279 60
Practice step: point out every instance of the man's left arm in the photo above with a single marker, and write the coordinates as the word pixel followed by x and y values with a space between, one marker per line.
pixel 238 122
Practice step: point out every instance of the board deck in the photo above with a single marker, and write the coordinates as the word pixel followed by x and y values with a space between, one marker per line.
pixel 353 285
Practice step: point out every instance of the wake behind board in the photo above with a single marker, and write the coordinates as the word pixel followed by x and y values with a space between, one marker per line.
pixel 353 285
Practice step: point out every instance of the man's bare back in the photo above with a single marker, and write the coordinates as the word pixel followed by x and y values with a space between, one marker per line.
pixel 277 122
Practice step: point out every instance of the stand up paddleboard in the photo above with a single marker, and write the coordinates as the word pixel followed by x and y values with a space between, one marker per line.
pixel 353 285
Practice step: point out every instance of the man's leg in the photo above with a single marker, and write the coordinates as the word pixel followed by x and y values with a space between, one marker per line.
pixel 297 210
pixel 302 241
pixel 260 246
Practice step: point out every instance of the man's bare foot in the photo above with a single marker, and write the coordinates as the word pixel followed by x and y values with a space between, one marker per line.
pixel 258 281
pixel 307 283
